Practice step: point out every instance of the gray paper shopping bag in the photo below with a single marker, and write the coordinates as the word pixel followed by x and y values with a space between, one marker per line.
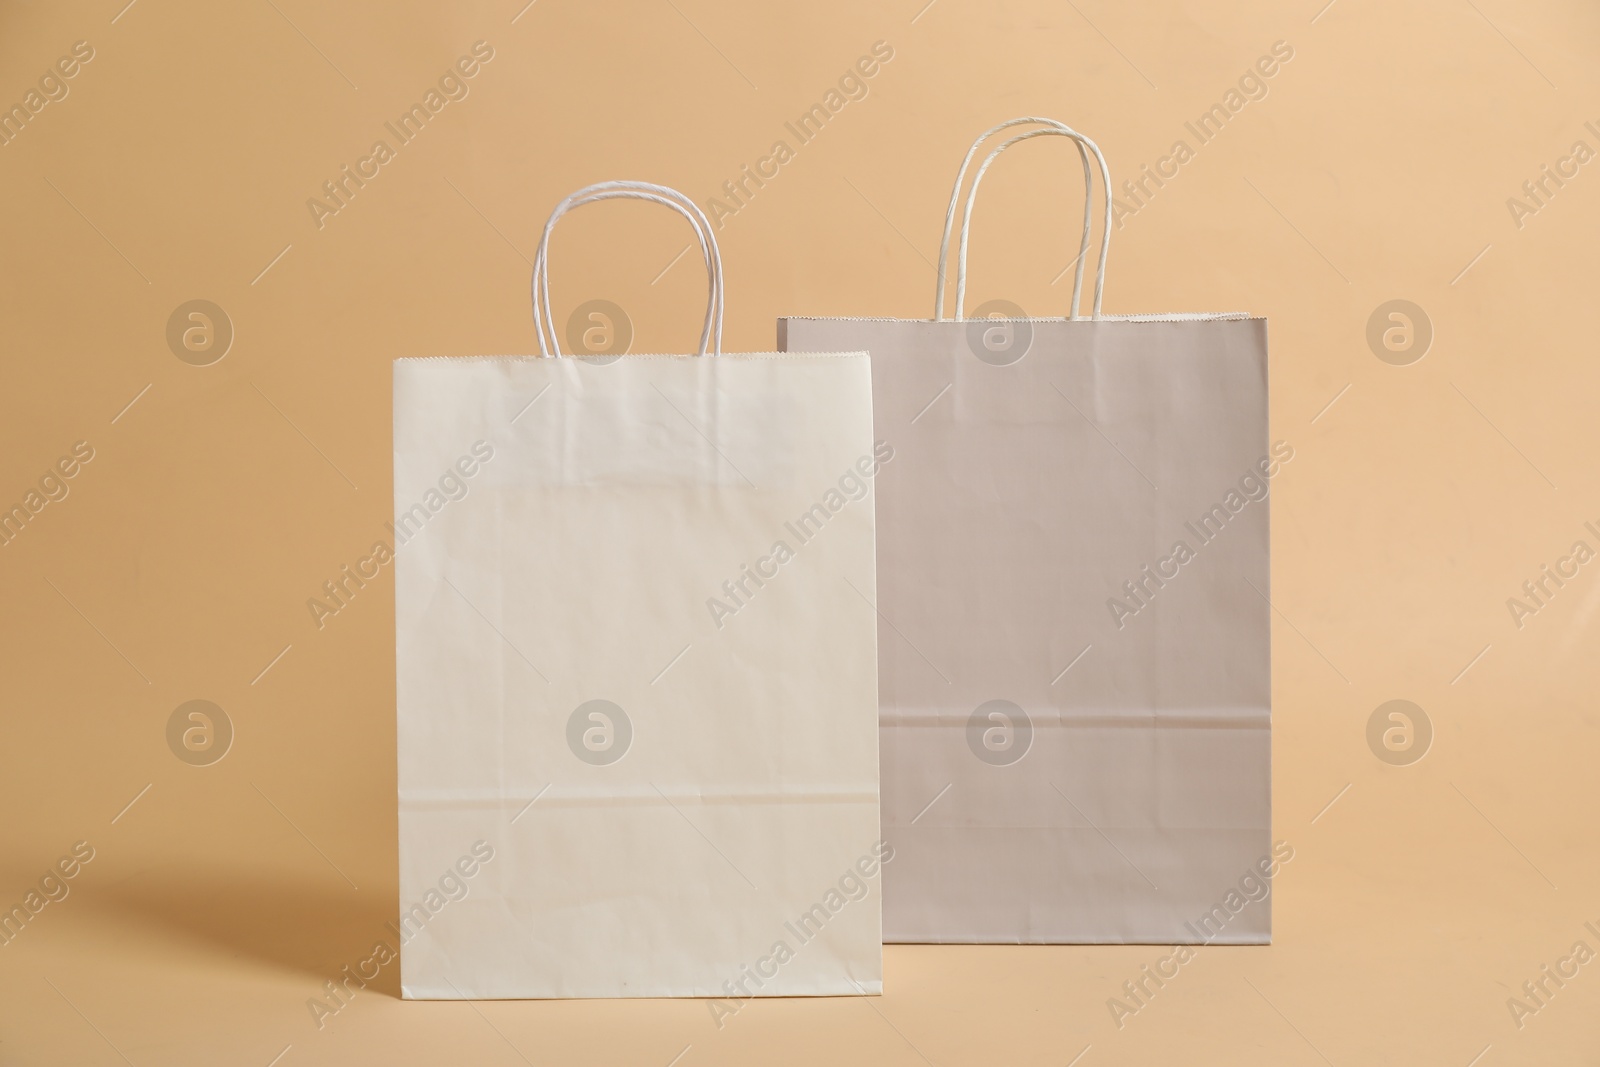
pixel 1074 675
pixel 637 714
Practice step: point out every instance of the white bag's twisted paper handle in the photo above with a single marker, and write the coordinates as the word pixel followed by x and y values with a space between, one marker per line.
pixel 1052 128
pixel 544 319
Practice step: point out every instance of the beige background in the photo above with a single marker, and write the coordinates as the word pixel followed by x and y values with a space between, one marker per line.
pixel 1377 167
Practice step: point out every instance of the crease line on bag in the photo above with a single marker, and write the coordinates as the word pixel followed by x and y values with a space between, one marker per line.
pixel 549 798
pixel 1182 719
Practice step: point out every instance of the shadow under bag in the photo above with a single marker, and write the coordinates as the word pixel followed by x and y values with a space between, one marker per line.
pixel 1074 625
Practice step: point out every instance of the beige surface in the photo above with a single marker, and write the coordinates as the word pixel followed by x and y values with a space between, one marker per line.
pixel 180 562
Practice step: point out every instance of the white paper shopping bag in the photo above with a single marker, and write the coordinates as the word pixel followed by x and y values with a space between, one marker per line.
pixel 636 668
pixel 1074 665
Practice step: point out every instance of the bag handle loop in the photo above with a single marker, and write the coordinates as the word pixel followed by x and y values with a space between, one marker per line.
pixel 1051 128
pixel 544 319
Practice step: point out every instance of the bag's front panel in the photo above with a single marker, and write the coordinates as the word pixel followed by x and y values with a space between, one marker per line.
pixel 631 668
pixel 1075 747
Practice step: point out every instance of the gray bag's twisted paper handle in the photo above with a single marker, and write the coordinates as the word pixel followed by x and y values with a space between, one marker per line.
pixel 1051 128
